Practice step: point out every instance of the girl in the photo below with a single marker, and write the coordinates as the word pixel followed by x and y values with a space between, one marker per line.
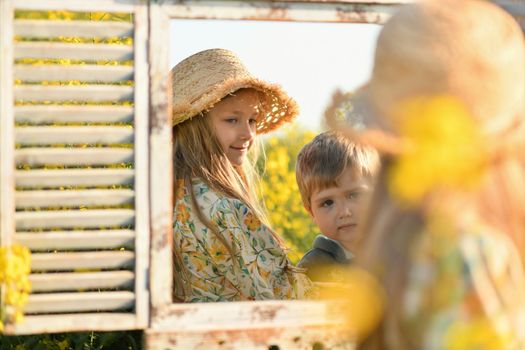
pixel 446 107
pixel 224 249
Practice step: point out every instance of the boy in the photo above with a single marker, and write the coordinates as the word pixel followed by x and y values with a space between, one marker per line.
pixel 334 175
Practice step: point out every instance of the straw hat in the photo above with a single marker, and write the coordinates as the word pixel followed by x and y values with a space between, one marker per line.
pixel 203 79
pixel 469 49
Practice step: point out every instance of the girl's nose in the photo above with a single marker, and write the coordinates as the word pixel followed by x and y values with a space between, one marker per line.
pixel 248 132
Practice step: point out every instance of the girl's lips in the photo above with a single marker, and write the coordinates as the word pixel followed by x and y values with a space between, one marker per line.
pixel 240 149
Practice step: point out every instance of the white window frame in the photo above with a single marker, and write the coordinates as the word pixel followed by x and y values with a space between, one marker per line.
pixel 239 325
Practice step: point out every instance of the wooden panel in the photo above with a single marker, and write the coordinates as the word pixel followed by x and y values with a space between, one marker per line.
pixel 73 135
pixel 73 114
pixel 94 93
pixel 73 198
pixel 82 29
pixel 73 322
pixel 73 177
pixel 88 52
pixel 68 281
pixel 142 199
pixel 161 172
pixel 103 239
pixel 82 260
pixel 85 73
pixel 253 337
pixel 73 156
pixel 292 11
pixel 7 187
pixel 74 302
pixel 74 218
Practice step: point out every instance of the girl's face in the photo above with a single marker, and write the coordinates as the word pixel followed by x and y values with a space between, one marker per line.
pixel 234 119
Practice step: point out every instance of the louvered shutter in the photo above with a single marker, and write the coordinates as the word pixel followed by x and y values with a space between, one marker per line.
pixel 74 164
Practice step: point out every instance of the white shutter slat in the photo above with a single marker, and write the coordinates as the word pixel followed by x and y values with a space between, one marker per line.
pixel 75 322
pixel 60 240
pixel 73 114
pixel 92 93
pixel 83 29
pixel 69 198
pixel 74 302
pixel 84 73
pixel 74 218
pixel 82 260
pixel 33 135
pixel 88 52
pixel 73 177
pixel 70 281
pixel 73 156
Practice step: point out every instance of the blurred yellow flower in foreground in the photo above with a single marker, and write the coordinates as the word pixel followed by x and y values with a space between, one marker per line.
pixel 15 267
pixel 445 148
pixel 478 334
pixel 359 300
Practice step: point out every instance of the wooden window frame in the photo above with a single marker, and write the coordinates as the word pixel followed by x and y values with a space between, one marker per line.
pixel 254 324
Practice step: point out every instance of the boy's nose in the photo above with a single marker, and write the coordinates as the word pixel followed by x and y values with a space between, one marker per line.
pixel 346 211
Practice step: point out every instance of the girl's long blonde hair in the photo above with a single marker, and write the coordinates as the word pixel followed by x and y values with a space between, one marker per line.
pixel 197 153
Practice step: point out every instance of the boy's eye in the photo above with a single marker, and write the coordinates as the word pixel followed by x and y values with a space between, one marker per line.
pixel 354 195
pixel 327 203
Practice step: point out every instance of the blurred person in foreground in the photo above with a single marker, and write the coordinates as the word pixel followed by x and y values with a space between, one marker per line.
pixel 445 107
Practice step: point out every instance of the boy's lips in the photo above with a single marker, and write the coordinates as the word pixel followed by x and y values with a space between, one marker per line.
pixel 347 226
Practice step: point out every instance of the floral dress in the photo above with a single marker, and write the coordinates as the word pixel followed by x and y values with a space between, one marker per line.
pixel 466 292
pixel 259 268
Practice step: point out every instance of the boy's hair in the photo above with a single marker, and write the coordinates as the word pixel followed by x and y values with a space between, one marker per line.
pixel 321 161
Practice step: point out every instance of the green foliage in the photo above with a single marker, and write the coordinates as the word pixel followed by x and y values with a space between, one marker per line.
pixel 282 198
pixel 74 341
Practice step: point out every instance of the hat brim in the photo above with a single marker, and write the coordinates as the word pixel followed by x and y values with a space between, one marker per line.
pixel 372 133
pixel 278 108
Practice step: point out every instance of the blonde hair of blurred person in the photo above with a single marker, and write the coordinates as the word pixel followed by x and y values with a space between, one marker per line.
pixel 447 257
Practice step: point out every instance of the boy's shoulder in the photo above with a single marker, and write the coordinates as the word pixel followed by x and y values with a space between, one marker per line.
pixel 322 266
pixel 324 252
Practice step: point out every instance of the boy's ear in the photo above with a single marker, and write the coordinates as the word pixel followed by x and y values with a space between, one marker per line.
pixel 308 209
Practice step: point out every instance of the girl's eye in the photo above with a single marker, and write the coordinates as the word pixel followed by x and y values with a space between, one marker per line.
pixel 253 121
pixel 327 203
pixel 231 120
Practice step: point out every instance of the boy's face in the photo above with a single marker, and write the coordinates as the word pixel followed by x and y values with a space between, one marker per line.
pixel 336 210
pixel 234 119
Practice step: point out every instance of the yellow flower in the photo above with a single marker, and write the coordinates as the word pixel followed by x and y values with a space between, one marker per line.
pixel 182 213
pixel 15 267
pixel 476 334
pixel 446 148
pixel 360 299
pixel 218 251
pixel 252 222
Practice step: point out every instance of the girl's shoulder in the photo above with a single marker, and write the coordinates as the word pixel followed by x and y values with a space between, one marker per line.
pixel 212 201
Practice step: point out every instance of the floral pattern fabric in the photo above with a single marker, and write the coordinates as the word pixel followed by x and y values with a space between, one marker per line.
pixel 466 292
pixel 258 269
